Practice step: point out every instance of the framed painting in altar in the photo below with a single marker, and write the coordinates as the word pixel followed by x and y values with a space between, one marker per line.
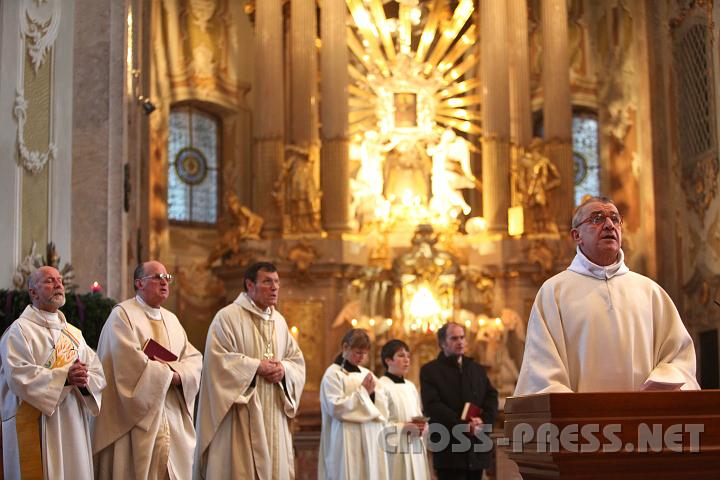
pixel 405 104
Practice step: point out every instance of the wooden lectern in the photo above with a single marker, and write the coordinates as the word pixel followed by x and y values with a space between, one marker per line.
pixel 623 435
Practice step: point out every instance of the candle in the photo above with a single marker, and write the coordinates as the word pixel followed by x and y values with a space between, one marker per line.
pixel 96 287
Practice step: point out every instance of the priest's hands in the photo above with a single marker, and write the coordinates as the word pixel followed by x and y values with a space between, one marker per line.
pixel 369 383
pixel 415 427
pixel 271 370
pixel 78 374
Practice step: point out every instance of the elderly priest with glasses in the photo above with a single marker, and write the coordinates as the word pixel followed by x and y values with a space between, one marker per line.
pixel 145 429
pixel 47 373
pixel 597 326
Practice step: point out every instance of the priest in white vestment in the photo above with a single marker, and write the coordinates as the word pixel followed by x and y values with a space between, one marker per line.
pixel 600 327
pixel 253 378
pixel 407 457
pixel 145 429
pixel 354 413
pixel 45 363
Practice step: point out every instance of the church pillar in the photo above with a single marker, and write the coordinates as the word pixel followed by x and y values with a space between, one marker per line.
pixel 334 167
pixel 303 73
pixel 269 112
pixel 519 71
pixel 495 117
pixel 557 107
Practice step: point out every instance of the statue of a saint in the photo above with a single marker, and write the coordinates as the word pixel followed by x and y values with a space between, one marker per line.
pixel 543 177
pixel 451 172
pixel 297 193
pixel 242 223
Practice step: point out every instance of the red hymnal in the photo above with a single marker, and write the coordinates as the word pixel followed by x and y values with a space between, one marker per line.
pixel 470 410
pixel 156 351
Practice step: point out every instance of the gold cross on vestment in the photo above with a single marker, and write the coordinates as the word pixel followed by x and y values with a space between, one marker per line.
pixel 268 351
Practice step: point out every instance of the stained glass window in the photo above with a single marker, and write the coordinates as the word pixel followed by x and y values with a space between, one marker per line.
pixel 193 165
pixel 585 155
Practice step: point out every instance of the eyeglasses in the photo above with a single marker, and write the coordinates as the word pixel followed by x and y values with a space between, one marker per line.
pixel 598 218
pixel 160 276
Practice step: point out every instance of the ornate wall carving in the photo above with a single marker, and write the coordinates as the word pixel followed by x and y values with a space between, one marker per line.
pixel 39 27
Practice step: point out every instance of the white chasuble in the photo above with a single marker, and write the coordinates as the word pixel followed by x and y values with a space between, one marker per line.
pixel 595 329
pixel 407 457
pixel 145 430
pixel 244 421
pixel 352 427
pixel 36 353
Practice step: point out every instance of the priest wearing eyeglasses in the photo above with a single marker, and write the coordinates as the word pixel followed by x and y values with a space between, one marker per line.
pixel 597 326
pixel 145 428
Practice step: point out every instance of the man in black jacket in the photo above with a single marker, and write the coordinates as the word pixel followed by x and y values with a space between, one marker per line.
pixel 447 384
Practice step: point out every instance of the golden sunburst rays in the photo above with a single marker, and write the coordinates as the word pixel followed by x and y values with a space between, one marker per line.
pixel 424 49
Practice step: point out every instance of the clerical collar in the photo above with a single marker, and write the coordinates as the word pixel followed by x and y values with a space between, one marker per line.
pixel 51 318
pixel 395 378
pixel 339 360
pixel 151 312
pixel 582 265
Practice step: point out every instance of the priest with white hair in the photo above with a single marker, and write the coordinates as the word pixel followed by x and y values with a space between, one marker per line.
pixel 47 369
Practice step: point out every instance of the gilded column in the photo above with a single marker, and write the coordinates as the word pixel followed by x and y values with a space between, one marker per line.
pixel 495 113
pixel 557 107
pixel 269 112
pixel 334 167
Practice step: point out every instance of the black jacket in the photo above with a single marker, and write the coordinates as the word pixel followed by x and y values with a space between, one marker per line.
pixel 445 387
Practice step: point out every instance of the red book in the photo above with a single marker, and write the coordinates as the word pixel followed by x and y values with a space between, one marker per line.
pixel 155 351
pixel 470 410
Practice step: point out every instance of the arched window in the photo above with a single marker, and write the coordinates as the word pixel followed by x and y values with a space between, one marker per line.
pixel 585 155
pixel 193 142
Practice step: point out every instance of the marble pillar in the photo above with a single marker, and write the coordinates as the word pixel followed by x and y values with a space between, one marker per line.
pixel 519 72
pixel 557 107
pixel 495 114
pixel 269 111
pixel 303 76
pixel 99 138
pixel 334 160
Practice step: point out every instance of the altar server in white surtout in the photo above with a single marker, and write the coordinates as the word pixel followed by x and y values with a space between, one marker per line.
pixel 46 365
pixel 597 326
pixel 253 379
pixel 145 429
pixel 407 457
pixel 354 412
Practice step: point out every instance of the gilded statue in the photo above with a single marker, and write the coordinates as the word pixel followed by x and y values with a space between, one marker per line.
pixel 534 176
pixel 241 223
pixel 545 177
pixel 296 191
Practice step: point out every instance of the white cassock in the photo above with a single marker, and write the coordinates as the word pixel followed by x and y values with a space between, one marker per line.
pixel 145 429
pixel 410 460
pixel 595 329
pixel 36 353
pixel 352 427
pixel 243 420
